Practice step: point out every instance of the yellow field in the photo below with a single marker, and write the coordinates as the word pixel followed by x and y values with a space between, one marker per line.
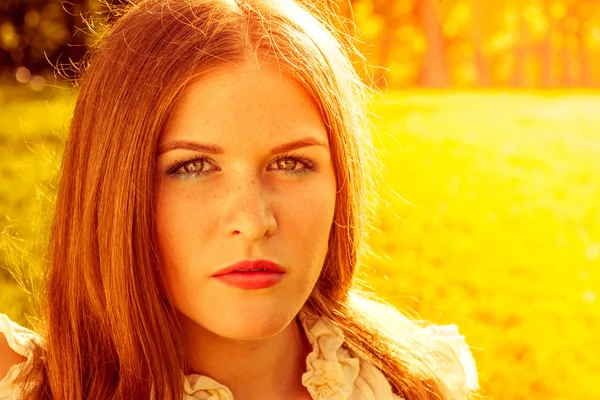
pixel 490 220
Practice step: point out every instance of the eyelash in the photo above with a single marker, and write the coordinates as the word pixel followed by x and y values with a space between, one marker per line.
pixel 299 158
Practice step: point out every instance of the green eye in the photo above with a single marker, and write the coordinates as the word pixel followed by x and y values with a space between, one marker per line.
pixel 188 168
pixel 288 163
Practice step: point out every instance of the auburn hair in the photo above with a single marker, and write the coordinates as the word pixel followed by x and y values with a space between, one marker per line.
pixel 108 333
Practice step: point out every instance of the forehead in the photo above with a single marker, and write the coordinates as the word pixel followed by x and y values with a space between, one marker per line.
pixel 244 102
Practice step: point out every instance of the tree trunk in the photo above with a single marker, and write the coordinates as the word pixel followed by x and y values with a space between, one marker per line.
pixel 435 70
pixel 520 53
pixel 546 53
pixel 566 78
pixel 483 78
pixel 585 75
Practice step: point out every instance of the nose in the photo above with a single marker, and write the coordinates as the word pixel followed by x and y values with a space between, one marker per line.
pixel 248 209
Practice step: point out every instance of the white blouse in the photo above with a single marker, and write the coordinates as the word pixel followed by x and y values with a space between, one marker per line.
pixel 332 373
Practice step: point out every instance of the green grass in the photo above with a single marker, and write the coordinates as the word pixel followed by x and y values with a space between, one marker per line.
pixel 503 234
pixel 490 220
pixel 31 140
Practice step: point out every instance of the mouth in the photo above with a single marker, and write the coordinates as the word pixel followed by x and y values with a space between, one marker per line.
pixel 251 266
pixel 251 275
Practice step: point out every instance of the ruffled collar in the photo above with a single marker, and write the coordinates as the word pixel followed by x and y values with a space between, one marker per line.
pixel 330 369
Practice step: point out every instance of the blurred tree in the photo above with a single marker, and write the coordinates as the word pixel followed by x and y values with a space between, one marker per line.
pixel 483 78
pixel 392 15
pixel 43 34
pixel 380 24
pixel 545 50
pixel 39 33
pixel 521 44
pixel 431 43
pixel 577 13
pixel 435 70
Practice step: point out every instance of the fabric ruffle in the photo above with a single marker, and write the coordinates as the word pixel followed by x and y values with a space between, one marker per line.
pixel 330 370
pixel 461 380
pixel 200 387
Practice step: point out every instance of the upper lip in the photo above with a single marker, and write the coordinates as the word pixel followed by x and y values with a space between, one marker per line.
pixel 251 264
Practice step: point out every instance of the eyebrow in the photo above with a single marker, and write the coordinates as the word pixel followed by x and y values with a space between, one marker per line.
pixel 210 148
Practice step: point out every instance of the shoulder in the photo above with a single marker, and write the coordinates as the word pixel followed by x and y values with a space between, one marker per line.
pixel 8 357
pixel 455 365
pixel 460 369
pixel 433 348
pixel 15 348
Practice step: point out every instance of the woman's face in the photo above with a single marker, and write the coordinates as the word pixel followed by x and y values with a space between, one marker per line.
pixel 247 200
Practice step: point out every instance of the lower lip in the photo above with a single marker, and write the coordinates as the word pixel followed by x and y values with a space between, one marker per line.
pixel 251 280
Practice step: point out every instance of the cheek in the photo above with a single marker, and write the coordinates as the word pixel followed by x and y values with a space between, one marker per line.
pixel 181 225
pixel 183 215
pixel 308 219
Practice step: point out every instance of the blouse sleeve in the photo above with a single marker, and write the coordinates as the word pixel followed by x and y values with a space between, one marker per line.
pixel 462 378
pixel 20 340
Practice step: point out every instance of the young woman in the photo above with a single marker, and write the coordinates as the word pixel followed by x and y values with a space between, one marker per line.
pixel 210 221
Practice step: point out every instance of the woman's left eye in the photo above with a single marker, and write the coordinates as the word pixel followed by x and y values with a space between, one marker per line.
pixel 289 162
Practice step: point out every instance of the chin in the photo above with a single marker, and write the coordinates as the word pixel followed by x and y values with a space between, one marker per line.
pixel 250 323
pixel 251 332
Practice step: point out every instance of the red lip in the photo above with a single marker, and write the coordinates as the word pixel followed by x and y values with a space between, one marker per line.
pixel 240 275
pixel 247 265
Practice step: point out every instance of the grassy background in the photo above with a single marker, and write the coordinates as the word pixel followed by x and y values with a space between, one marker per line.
pixel 490 220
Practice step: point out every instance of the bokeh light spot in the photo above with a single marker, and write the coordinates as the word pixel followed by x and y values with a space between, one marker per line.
pixel 23 75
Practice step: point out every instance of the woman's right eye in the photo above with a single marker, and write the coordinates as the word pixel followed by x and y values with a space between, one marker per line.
pixel 189 168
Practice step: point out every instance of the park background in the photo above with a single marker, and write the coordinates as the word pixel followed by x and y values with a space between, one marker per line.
pixel 488 122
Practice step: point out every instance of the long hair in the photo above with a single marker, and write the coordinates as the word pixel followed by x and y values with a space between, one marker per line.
pixel 108 332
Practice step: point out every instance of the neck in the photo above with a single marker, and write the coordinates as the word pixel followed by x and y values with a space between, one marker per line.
pixel 251 369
